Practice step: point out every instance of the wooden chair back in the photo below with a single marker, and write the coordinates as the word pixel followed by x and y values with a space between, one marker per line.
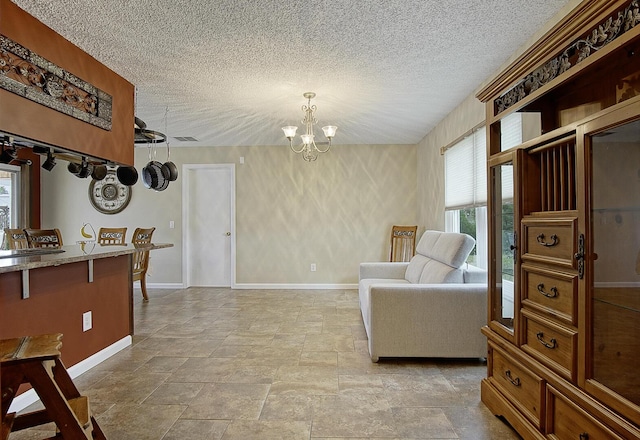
pixel 112 236
pixel 403 243
pixel 40 238
pixel 140 260
pixel 15 238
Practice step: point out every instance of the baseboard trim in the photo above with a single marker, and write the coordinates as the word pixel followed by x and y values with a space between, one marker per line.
pixel 29 397
pixel 161 286
pixel 260 286
pixel 267 286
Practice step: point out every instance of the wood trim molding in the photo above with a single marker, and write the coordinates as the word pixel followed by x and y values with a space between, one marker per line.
pixel 587 15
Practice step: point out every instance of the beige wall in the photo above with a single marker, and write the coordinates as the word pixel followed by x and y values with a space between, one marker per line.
pixel 335 212
pixel 430 192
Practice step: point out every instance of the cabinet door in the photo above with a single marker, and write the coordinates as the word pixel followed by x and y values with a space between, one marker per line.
pixel 611 287
pixel 502 235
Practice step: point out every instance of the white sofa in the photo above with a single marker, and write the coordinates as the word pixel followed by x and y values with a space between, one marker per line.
pixel 432 306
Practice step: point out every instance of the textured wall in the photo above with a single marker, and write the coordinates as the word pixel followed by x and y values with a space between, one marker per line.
pixel 430 189
pixel 335 212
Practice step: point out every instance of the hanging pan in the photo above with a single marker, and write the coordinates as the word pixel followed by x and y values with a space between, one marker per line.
pixel 169 169
pixel 128 176
pixel 152 176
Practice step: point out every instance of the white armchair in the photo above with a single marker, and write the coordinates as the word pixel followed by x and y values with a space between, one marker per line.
pixel 433 306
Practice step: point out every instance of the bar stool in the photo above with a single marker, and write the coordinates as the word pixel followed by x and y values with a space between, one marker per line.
pixel 112 236
pixel 35 360
pixel 39 238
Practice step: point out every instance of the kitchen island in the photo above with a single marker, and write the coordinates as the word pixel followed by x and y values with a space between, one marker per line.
pixel 83 291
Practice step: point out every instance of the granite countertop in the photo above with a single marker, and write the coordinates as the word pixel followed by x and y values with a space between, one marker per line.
pixel 10 262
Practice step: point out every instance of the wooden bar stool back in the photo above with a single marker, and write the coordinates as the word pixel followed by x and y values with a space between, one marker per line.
pixel 35 360
pixel 112 236
pixel 41 238
pixel 140 259
pixel 15 238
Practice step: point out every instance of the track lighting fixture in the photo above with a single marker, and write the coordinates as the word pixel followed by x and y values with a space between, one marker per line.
pixel 50 162
pixel 9 152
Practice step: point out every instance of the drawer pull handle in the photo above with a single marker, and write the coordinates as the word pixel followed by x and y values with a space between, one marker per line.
pixel 515 381
pixel 551 344
pixel 584 436
pixel 553 290
pixel 553 242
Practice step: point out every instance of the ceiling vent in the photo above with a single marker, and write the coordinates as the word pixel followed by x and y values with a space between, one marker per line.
pixel 185 139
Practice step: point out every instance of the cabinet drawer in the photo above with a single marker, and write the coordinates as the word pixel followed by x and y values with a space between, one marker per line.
pixel 549 239
pixel 550 343
pixel 567 421
pixel 522 387
pixel 550 291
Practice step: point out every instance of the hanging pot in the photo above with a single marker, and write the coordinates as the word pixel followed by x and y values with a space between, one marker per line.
pixel 138 123
pixel 128 176
pixel 152 176
pixel 169 169
pixel 162 185
pixel 74 168
pixel 99 172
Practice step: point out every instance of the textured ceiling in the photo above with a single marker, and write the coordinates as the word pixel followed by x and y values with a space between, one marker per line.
pixel 232 72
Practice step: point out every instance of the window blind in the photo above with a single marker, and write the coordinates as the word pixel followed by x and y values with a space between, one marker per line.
pixel 466 164
pixel 465 172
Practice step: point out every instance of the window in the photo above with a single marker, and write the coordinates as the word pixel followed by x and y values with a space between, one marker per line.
pixel 466 184
pixel 9 196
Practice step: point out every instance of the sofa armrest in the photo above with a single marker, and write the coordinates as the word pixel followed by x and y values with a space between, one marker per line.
pixel 433 320
pixel 383 270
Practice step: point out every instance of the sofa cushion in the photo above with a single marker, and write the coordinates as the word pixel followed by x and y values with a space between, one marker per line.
pixel 450 248
pixel 473 274
pixel 414 269
pixel 435 272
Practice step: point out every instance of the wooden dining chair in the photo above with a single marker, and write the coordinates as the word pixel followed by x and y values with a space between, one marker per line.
pixel 41 238
pixel 403 243
pixel 112 236
pixel 140 260
pixel 15 239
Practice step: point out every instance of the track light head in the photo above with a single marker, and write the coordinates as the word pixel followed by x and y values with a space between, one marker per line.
pixel 50 162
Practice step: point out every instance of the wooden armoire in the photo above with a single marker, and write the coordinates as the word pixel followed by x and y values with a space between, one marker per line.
pixel 564 281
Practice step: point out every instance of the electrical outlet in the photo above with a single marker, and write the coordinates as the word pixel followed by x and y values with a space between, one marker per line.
pixel 313 267
pixel 87 323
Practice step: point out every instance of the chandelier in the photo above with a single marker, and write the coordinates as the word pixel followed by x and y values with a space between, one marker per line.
pixel 309 149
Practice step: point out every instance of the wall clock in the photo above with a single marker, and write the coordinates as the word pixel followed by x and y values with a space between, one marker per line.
pixel 108 195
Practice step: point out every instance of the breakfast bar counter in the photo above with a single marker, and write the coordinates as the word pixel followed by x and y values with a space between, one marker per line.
pixel 32 258
pixel 83 291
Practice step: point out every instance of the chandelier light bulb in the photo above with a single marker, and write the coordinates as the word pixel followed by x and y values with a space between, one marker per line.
pixel 290 131
pixel 307 139
pixel 329 131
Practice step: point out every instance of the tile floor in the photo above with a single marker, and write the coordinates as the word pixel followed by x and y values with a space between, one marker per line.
pixel 216 363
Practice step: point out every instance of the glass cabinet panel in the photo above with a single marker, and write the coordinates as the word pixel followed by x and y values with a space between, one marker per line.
pixel 504 245
pixel 615 229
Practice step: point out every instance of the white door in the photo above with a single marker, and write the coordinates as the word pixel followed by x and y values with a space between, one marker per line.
pixel 209 219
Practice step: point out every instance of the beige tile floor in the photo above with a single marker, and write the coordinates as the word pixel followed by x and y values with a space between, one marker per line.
pixel 216 363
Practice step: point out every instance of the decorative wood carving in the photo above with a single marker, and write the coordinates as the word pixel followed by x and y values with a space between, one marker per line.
pixel 29 75
pixel 578 51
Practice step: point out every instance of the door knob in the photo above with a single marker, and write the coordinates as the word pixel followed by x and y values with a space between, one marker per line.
pixel 228 234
